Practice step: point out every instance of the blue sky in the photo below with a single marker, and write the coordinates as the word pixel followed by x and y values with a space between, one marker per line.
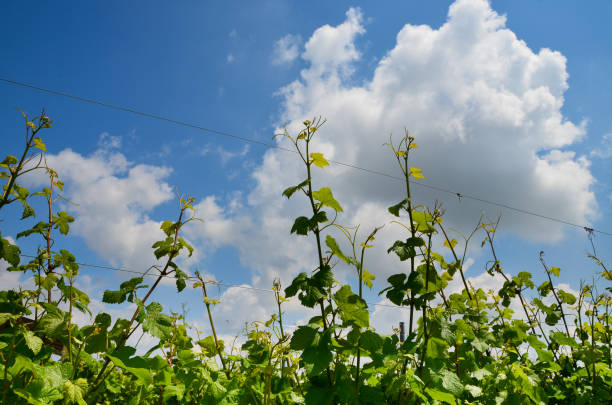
pixel 509 101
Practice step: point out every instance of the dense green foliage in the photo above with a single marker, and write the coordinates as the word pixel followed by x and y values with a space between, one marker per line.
pixel 464 347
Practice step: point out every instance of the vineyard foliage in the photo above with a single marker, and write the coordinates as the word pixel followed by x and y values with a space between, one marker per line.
pixel 460 348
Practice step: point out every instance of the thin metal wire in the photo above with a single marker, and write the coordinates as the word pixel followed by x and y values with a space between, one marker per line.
pixel 213 282
pixel 273 146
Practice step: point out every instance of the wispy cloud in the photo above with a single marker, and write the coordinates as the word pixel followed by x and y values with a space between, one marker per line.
pixel 604 150
pixel 106 141
pixel 286 49
pixel 226 155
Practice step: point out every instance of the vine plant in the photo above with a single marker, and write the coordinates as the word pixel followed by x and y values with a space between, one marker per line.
pixel 463 346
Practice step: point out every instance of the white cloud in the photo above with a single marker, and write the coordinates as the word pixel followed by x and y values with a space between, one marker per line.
pixel 112 198
pixel 226 155
pixel 107 142
pixel 286 49
pixel 604 151
pixel 330 50
pixel 13 280
pixel 387 316
pixel 217 226
pixel 486 112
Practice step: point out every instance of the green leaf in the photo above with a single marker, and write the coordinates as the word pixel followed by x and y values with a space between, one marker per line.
pixel 562 339
pixel 301 226
pixel 395 209
pixel 303 337
pixel 9 160
pixel 174 391
pixel 402 250
pixel 61 221
pixel 291 190
pixel 127 290
pixel 38 143
pixel 113 297
pixel 397 291
pixel 168 227
pixel 53 323
pixel 481 373
pixel 9 252
pixel 325 197
pixel 5 317
pixel 317 358
pixel 352 308
pixel 216 391
pixel 135 400
pixel 73 392
pixel 451 382
pixel 473 390
pixel 545 288
pixel 180 284
pixel 415 242
pixel 480 345
pixel 40 227
pixel 183 244
pixel 311 289
pixel 209 347
pixel 163 247
pixel 566 297
pixel 135 365
pixel 371 341
pixel 181 276
pixel 333 245
pixel 436 348
pixel 157 323
pixel 423 222
pixel 545 356
pixel 33 342
pixel 28 211
pixel 317 159
pixel 441 396
pixel 555 270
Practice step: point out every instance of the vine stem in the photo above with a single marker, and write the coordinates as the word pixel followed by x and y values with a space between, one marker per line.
pixel 48 235
pixel 317 230
pixel 402 160
pixel 128 330
pixel 500 271
pixel 212 324
pixel 460 262
pixel 277 287
pixel 17 169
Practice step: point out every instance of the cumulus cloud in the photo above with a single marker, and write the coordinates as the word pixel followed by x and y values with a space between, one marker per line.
pixel 330 50
pixel 484 107
pixel 113 198
pixel 286 49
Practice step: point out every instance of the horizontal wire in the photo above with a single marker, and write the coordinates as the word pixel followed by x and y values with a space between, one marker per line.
pixel 273 146
pixel 214 282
